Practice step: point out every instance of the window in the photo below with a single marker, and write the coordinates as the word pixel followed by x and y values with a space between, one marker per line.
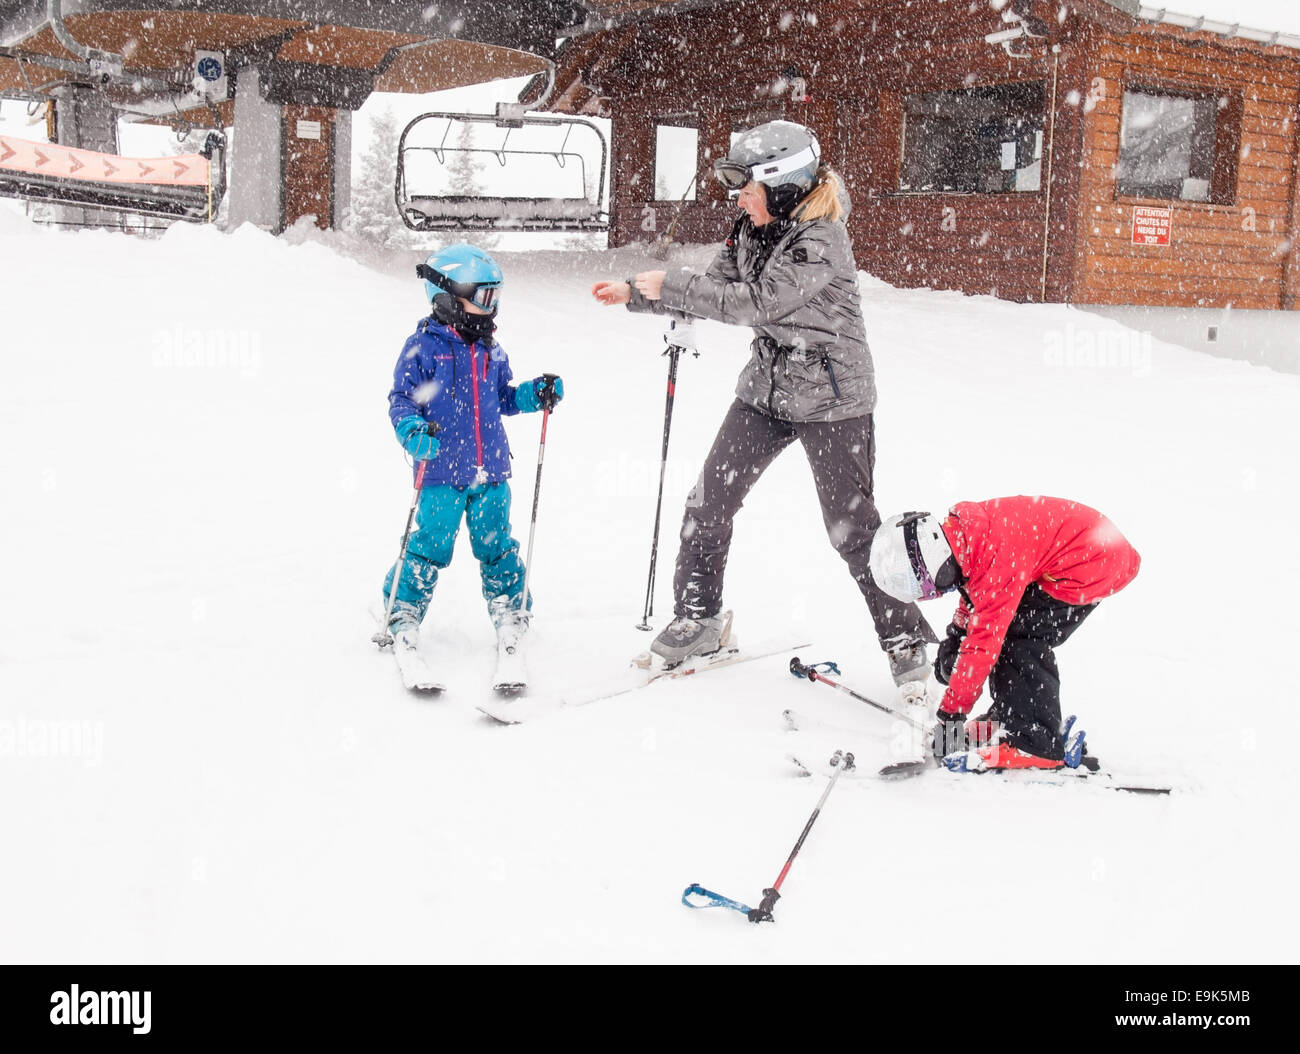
pixel 677 150
pixel 1178 145
pixel 978 141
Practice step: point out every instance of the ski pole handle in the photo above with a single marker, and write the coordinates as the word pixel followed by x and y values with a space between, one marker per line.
pixel 763 913
pixel 800 670
pixel 546 393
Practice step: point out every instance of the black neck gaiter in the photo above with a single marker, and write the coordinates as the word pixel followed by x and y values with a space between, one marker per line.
pixel 474 329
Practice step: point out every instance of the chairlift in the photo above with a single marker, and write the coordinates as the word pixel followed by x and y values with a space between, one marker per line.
pixel 185 187
pixel 508 172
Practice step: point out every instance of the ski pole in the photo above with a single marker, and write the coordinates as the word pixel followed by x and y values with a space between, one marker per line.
pixel 840 762
pixel 548 394
pixel 383 638
pixel 813 674
pixel 680 337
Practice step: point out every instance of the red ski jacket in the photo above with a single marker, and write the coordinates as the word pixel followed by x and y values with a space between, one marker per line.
pixel 1005 545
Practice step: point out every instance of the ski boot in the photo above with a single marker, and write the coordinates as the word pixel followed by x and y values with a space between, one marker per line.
pixel 685 638
pixel 998 755
pixel 910 668
pixel 511 626
pixel 908 662
pixel 404 626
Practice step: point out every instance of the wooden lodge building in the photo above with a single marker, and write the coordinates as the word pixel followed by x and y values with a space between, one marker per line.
pixel 1089 152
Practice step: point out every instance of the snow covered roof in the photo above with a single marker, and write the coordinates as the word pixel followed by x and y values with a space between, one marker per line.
pixel 1227 18
pixel 1235 29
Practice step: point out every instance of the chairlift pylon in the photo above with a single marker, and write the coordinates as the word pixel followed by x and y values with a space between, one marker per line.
pixel 429 199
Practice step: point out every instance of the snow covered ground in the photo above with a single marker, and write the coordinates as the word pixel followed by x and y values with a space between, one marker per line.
pixel 204 758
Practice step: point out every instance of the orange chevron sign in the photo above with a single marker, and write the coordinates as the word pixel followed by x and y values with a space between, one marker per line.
pixel 50 159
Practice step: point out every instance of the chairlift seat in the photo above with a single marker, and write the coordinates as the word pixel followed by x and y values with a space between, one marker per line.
pixel 498 144
pixel 186 186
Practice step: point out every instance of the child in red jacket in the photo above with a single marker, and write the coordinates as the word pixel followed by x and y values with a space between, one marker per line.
pixel 1029 570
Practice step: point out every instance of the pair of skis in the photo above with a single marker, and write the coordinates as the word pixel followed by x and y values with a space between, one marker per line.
pixel 510 679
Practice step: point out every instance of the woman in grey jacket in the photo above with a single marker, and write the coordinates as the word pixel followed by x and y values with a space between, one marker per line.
pixel 787 270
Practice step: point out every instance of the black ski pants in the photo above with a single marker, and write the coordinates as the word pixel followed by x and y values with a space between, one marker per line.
pixel 1025 682
pixel 842 456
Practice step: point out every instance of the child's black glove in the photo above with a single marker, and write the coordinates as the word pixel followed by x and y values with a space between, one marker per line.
pixel 945 659
pixel 949 734
pixel 550 390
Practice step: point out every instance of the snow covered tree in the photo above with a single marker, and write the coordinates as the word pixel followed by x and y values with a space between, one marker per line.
pixel 463 179
pixel 373 215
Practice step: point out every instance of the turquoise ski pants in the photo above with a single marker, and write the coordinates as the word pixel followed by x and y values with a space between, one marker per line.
pixel 486 510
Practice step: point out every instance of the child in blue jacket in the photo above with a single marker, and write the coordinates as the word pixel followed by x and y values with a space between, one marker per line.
pixel 451 388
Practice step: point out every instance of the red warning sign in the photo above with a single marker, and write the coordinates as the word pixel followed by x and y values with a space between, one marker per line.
pixel 1152 226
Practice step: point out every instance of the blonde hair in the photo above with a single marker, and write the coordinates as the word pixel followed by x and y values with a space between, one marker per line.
pixel 823 201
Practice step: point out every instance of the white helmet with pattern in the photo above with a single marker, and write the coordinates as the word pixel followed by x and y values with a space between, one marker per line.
pixel 907 556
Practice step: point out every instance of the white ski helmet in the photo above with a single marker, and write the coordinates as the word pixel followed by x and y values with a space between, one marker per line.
pixel 907 554
pixel 777 154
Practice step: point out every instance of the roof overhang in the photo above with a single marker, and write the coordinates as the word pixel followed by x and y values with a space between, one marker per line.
pixel 408 46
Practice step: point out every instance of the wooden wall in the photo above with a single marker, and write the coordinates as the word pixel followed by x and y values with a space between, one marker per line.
pixel 1240 254
pixel 309 166
pixel 862 59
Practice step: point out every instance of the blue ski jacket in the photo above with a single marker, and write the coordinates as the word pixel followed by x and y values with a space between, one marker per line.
pixel 465 389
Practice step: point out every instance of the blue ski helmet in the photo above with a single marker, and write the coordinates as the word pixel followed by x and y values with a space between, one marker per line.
pixel 463 271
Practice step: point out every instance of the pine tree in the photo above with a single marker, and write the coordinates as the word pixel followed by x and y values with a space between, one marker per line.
pixel 373 214
pixel 463 166
pixel 463 169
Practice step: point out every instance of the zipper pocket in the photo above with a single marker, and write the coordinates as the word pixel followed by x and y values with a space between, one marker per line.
pixel 830 372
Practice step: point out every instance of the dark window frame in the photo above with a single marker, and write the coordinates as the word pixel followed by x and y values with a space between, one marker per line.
pixel 1228 129
pixel 904 98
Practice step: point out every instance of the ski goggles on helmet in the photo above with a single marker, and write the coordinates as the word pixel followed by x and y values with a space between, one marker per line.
pixel 733 174
pixel 929 591
pixel 484 296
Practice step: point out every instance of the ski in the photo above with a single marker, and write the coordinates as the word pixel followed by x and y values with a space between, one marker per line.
pixel 1092 776
pixel 417 675
pixel 517 711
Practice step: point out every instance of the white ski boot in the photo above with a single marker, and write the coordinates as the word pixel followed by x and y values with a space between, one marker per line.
pixel 511 675
pixel 404 627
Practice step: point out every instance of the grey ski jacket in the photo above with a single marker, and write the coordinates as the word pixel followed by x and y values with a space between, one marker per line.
pixel 809 359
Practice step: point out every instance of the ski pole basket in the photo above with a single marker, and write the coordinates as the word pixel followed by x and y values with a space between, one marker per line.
pixel 185 187
pixel 460 172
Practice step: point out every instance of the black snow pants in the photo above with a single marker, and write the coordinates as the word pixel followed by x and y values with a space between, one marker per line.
pixel 1025 683
pixel 842 456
